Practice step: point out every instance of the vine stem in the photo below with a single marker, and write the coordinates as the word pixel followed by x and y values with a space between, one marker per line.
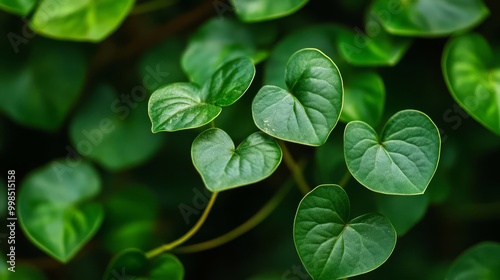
pixel 167 247
pixel 256 219
pixel 294 168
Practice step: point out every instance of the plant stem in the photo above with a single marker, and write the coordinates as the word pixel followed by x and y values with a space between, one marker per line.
pixel 256 219
pixel 294 168
pixel 345 179
pixel 151 6
pixel 167 247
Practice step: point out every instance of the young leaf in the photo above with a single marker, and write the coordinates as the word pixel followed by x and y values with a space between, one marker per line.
pixel 214 44
pixel 364 98
pixel 186 105
pixel 133 263
pixel 401 161
pixel 20 7
pixel 98 132
pixel 260 10
pixel 40 91
pixel 86 21
pixel 222 166
pixel 54 208
pixel 308 111
pixel 333 247
pixel 479 262
pixel 316 36
pixel 473 78
pixel 429 17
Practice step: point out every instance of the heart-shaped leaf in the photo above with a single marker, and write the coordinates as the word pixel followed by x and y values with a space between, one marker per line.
pixel 40 91
pixel 214 44
pixel 333 247
pixel 133 263
pixel 20 7
pixel 473 78
pixel 401 161
pixel 364 98
pixel 186 105
pixel 308 111
pixel 260 10
pixel 98 132
pixel 482 261
pixel 222 166
pixel 85 21
pixel 54 208
pixel 428 17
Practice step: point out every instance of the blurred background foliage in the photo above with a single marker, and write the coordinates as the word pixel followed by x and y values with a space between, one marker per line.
pixel 79 94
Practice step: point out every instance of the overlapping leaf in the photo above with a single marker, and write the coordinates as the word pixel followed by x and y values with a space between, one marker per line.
pixel 187 105
pixel 309 109
pixel 259 10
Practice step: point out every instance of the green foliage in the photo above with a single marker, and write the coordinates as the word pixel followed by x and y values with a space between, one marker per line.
pixel 222 166
pixel 308 111
pixel 330 244
pixel 186 105
pixel 85 21
pixel 54 210
pixel 429 17
pixel 402 160
pixel 259 10
pixel 479 262
pixel 40 91
pixel 229 98
pixel 472 74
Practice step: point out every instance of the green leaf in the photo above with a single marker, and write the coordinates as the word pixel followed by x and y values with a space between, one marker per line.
pixel 40 91
pixel 89 20
pixel 401 161
pixel 308 111
pixel 133 263
pixel 20 7
pixel 429 17
pixel 473 78
pixel 317 36
pixel 260 10
pixel 3 197
pixel 222 166
pixel 214 44
pixel 374 47
pixel 403 211
pixel 479 262
pixel 54 208
pixel 333 247
pixel 186 105
pixel 364 98
pixel 98 132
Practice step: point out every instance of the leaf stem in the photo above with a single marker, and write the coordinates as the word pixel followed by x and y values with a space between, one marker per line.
pixel 151 6
pixel 294 168
pixel 167 247
pixel 256 219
